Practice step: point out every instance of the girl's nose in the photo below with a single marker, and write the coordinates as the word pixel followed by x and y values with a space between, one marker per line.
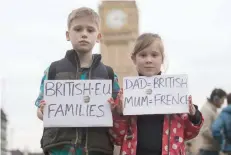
pixel 148 60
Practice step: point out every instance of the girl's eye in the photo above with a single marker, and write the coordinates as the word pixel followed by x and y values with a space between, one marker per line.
pixel 154 55
pixel 142 55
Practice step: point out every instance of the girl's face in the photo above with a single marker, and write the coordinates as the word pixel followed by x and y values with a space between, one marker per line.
pixel 148 61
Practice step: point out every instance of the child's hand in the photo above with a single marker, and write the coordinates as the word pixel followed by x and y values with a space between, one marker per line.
pixel 120 101
pixel 41 106
pixel 192 109
pixel 112 103
pixel 117 103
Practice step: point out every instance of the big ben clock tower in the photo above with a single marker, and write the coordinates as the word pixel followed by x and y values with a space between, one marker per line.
pixel 119 27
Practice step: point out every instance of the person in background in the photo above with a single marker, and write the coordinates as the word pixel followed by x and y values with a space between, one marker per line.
pixel 221 128
pixel 209 145
pixel 188 148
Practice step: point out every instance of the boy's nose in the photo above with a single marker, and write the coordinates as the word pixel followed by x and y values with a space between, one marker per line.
pixel 84 34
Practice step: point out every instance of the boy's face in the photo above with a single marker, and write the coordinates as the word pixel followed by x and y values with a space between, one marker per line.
pixel 83 34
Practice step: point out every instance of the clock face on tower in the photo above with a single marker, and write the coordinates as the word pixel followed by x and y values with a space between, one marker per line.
pixel 116 19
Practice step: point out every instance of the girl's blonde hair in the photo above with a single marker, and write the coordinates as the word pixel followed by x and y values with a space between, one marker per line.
pixel 145 40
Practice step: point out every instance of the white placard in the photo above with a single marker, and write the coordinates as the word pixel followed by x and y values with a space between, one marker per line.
pixel 77 103
pixel 162 94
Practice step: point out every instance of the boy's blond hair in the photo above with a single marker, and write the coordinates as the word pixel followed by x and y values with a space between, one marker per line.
pixel 83 12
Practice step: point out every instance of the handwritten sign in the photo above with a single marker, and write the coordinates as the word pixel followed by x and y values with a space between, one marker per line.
pixel 77 103
pixel 162 94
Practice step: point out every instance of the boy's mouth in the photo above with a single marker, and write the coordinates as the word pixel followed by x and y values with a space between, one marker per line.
pixel 149 67
pixel 83 42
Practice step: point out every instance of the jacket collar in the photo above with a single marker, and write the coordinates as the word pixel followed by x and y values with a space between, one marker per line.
pixel 73 57
pixel 157 74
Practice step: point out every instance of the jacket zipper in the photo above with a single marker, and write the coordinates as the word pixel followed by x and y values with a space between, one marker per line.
pixel 86 143
pixel 77 77
pixel 76 130
pixel 89 77
pixel 93 62
pixel 169 132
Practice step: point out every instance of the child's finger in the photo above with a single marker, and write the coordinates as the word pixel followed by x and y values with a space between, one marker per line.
pixel 190 98
pixel 121 91
pixel 112 103
pixel 191 106
pixel 43 102
pixel 111 100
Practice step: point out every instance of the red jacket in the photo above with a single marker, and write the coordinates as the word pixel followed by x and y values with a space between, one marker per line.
pixel 181 129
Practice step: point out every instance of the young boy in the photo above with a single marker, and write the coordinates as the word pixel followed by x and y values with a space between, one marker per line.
pixel 79 63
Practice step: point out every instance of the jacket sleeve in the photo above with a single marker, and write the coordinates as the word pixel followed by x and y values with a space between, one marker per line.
pixel 217 128
pixel 117 132
pixel 191 130
pixel 116 87
pixel 119 129
pixel 40 96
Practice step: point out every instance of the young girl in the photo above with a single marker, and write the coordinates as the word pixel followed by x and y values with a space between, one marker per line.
pixel 153 134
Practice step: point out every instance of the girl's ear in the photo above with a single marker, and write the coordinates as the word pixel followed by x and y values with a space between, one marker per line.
pixel 67 36
pixel 133 59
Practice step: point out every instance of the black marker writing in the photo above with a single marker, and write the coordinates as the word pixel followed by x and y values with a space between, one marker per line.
pixel 170 99
pixel 59 110
pixel 49 91
pixel 105 90
pixel 136 101
pixel 100 107
pixel 58 87
pixel 77 90
pixel 140 83
pixel 170 82
pixel 97 88
pixel 72 88
pixel 69 107
pixel 87 88
pixel 50 110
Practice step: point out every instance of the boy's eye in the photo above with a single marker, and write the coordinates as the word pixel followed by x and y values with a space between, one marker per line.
pixel 90 30
pixel 78 29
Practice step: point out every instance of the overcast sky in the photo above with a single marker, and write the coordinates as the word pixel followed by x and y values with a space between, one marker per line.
pixel 196 34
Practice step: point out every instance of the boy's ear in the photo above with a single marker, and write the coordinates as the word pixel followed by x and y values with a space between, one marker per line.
pixel 67 36
pixel 163 58
pixel 99 36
